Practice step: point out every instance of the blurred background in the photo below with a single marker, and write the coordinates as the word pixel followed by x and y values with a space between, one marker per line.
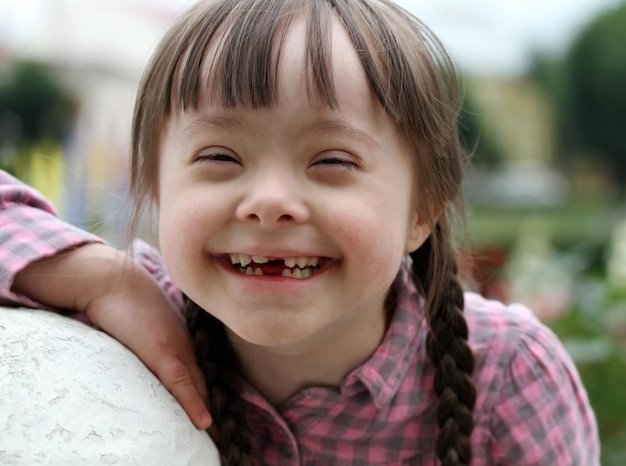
pixel 544 119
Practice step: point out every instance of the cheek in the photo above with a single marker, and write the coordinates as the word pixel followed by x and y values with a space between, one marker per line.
pixel 180 234
pixel 373 235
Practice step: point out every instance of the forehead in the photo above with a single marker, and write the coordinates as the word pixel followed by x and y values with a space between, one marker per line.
pixel 355 111
pixel 344 74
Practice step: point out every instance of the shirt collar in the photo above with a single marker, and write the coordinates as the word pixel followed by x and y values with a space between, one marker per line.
pixel 383 373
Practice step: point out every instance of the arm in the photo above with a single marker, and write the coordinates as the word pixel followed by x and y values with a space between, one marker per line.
pixel 29 231
pixel 542 414
pixel 46 262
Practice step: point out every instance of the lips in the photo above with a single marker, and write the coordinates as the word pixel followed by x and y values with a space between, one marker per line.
pixel 300 267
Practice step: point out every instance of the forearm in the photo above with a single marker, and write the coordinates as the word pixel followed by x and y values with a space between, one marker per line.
pixel 30 232
pixel 71 279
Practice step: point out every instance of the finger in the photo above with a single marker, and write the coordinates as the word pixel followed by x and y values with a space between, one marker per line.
pixel 177 378
pixel 198 380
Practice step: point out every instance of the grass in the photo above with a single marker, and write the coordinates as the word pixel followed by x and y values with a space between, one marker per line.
pixel 567 225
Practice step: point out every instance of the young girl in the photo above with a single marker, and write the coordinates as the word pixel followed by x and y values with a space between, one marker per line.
pixel 303 157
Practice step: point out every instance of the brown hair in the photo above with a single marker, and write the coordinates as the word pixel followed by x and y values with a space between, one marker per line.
pixel 414 80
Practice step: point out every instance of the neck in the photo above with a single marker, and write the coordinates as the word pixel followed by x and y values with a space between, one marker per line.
pixel 279 372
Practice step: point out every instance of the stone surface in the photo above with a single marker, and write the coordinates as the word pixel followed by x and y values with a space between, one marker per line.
pixel 71 395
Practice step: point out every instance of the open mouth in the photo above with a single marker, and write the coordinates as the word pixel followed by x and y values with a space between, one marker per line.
pixel 288 267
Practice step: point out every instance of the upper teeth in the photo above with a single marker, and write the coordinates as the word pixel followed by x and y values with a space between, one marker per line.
pixel 290 262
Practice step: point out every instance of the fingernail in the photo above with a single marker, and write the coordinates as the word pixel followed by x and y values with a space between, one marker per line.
pixel 205 421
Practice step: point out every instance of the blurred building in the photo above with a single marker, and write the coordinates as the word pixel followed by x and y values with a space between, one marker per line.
pixel 98 51
pixel 518 119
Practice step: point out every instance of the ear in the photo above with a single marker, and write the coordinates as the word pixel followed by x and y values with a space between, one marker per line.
pixel 419 231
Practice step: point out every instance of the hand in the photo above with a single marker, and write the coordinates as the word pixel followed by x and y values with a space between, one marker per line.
pixel 121 298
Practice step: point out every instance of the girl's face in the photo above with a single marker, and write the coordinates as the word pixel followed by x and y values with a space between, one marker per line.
pixel 289 223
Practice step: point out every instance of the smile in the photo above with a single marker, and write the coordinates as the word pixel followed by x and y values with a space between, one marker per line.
pixel 288 267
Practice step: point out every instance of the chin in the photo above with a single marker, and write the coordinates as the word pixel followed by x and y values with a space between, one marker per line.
pixel 266 335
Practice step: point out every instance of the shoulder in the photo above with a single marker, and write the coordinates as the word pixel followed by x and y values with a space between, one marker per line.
pixel 531 402
pixel 501 334
pixel 509 337
pixel 488 319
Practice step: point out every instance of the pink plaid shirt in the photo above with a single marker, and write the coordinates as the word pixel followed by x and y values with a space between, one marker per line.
pixel 531 408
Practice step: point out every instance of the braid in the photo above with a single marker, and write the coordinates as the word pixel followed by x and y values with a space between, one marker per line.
pixel 218 364
pixel 435 273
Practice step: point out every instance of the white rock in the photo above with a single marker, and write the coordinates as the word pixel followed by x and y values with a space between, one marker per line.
pixel 71 395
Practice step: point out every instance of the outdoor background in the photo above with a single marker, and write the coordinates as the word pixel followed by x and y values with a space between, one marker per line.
pixel 545 120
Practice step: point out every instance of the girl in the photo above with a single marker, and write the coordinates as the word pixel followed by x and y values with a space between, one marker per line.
pixel 303 158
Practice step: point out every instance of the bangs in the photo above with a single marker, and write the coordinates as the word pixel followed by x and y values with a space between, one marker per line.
pixel 231 56
pixel 226 53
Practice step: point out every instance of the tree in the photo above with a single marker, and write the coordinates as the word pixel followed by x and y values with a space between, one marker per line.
pixel 34 108
pixel 589 87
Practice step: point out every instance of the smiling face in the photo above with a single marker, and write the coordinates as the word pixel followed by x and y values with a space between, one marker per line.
pixel 289 222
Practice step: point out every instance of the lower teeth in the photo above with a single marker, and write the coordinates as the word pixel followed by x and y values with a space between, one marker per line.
pixel 288 273
pixel 297 273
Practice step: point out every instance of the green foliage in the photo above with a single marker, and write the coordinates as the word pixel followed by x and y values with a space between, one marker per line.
pixel 33 107
pixel 588 89
pixel 597 70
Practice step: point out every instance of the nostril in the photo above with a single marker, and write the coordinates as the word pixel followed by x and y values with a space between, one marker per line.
pixel 268 211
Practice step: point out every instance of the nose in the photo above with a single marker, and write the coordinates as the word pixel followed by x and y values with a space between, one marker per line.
pixel 273 201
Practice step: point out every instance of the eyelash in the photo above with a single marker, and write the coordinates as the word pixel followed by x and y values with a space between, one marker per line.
pixel 216 157
pixel 340 161
pixel 226 158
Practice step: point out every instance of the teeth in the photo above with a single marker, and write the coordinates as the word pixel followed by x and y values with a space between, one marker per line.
pixel 297 273
pixel 301 262
pixel 291 262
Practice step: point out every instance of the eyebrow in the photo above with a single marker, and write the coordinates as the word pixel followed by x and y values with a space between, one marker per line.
pixel 322 126
pixel 220 121
pixel 341 127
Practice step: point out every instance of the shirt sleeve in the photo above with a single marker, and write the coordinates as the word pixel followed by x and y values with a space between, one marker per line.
pixel 542 413
pixel 29 231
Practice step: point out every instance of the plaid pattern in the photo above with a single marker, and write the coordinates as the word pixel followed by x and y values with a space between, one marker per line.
pixel 531 408
pixel 29 231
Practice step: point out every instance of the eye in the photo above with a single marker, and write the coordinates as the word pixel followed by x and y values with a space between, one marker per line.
pixel 217 155
pixel 336 159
